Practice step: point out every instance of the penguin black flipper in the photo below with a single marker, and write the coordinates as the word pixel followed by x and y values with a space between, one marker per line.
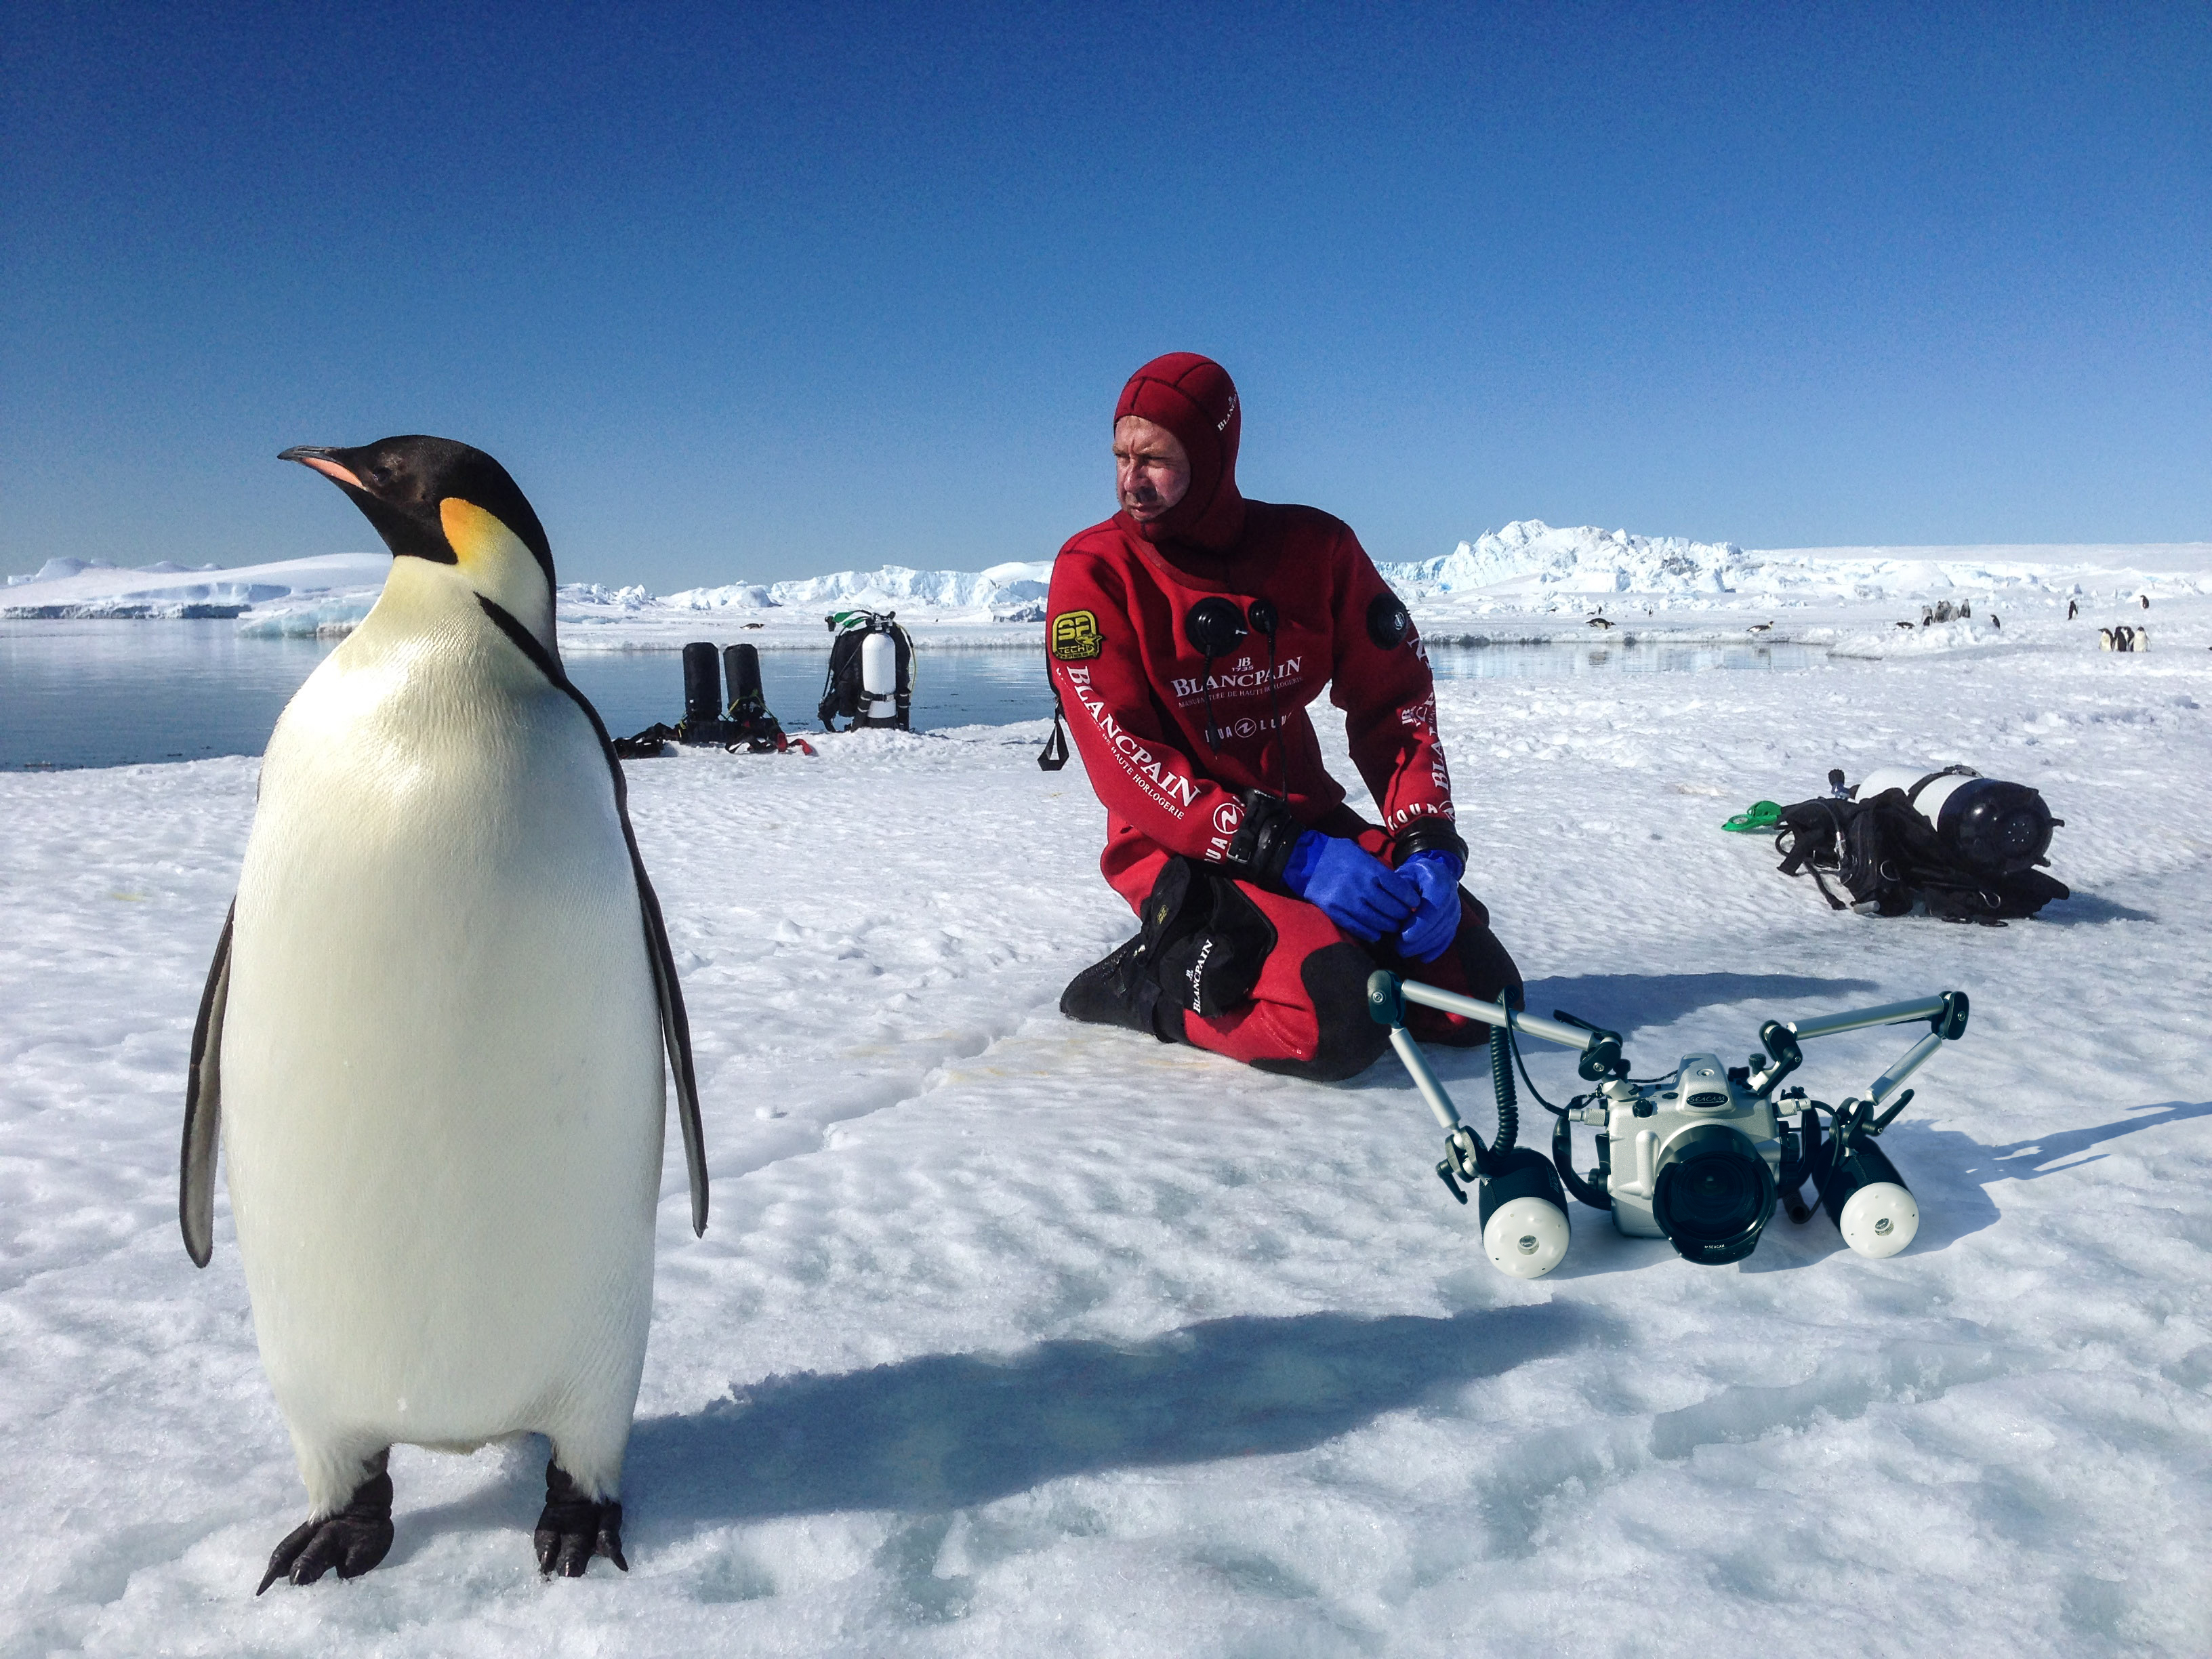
pixel 203 1107
pixel 675 1023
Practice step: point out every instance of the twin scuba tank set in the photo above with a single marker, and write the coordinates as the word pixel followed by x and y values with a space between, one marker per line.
pixel 1700 1157
pixel 742 723
pixel 870 684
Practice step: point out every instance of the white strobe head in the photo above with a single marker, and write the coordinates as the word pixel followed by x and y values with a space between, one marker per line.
pixel 1879 1218
pixel 1526 1237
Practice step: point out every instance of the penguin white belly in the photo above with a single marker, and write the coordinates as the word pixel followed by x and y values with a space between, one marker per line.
pixel 442 1087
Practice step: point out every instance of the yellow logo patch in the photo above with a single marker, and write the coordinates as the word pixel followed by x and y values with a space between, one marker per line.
pixel 1075 637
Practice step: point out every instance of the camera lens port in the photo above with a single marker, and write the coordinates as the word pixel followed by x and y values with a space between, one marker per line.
pixel 1714 1195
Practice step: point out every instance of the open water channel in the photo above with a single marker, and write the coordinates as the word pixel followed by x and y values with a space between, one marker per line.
pixel 120 693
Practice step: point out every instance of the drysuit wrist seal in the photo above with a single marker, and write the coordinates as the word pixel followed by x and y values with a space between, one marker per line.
pixel 1261 846
pixel 1427 835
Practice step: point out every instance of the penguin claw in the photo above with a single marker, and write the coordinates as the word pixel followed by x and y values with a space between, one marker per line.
pixel 353 1541
pixel 573 1529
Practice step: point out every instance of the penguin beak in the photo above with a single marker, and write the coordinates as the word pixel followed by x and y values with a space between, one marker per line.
pixel 321 458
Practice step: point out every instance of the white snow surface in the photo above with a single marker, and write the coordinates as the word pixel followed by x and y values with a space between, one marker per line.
pixel 1011 1336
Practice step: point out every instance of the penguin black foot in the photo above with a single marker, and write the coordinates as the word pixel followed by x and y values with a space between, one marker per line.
pixel 574 1529
pixel 353 1541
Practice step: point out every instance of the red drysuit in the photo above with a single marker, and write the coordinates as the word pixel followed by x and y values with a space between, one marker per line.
pixel 1184 749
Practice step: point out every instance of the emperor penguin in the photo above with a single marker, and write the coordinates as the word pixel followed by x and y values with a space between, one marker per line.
pixel 431 1044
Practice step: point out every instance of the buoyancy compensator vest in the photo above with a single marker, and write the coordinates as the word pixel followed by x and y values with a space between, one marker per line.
pixel 871 677
pixel 1955 843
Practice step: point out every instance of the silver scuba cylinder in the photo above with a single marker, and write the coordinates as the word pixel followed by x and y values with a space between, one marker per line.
pixel 1989 825
pixel 880 678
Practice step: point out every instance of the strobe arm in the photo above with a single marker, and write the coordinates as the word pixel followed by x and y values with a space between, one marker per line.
pixel 1580 1038
pixel 1388 994
pixel 1465 1157
pixel 1945 1014
pixel 1521 1210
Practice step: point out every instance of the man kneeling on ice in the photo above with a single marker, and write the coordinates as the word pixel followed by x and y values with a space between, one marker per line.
pixel 1188 634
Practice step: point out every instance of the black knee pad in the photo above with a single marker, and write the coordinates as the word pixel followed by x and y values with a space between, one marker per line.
pixel 1335 979
pixel 1213 943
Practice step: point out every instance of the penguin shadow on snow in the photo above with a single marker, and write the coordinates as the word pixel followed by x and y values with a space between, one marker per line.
pixel 504 1505
pixel 945 1431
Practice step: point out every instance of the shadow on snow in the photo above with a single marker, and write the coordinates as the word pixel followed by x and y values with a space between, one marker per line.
pixel 1628 1002
pixel 947 1431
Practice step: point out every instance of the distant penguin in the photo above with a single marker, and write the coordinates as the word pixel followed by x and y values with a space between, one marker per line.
pixel 433 1033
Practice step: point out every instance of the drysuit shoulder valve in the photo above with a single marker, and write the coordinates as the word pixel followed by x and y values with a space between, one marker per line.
pixel 1215 626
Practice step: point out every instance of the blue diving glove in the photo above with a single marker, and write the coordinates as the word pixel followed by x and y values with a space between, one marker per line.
pixel 1349 886
pixel 1429 934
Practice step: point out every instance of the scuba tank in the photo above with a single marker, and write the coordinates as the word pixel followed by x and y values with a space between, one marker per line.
pixel 702 687
pixel 745 723
pixel 880 678
pixel 741 671
pixel 1955 843
pixel 1989 826
pixel 871 677
pixel 749 722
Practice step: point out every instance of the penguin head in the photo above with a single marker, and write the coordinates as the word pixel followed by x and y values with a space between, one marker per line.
pixel 434 499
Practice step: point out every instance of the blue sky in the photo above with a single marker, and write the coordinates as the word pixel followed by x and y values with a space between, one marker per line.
pixel 755 292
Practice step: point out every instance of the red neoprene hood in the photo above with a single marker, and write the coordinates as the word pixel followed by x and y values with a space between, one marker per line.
pixel 1193 397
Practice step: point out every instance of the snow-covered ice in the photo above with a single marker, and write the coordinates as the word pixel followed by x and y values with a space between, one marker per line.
pixel 1526 583
pixel 75 588
pixel 1010 1336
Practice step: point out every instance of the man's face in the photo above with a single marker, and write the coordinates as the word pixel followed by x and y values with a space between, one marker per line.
pixel 1150 468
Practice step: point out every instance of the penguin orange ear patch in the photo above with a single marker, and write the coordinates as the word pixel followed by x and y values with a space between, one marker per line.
pixel 477 538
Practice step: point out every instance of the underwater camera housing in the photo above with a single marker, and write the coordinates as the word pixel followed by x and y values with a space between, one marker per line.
pixel 1700 1157
pixel 1699 1161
